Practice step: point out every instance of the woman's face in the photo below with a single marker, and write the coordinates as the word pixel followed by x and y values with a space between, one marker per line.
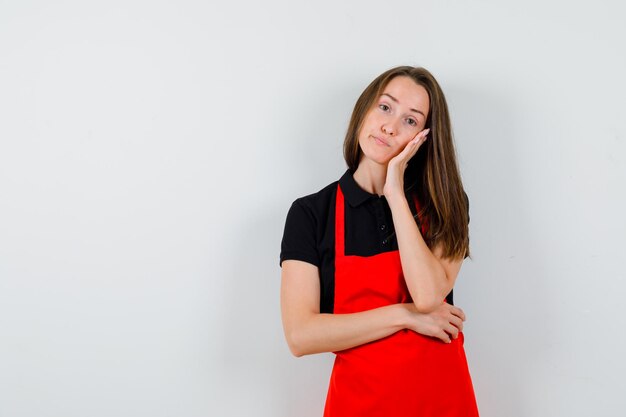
pixel 396 117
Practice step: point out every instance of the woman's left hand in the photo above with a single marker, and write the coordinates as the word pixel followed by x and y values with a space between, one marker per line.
pixel 394 183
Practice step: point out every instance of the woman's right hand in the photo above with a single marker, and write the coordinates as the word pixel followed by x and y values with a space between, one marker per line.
pixel 444 323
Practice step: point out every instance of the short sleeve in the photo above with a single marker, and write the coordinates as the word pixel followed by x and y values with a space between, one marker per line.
pixel 299 237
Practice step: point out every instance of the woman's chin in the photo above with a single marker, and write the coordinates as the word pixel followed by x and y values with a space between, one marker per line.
pixel 377 159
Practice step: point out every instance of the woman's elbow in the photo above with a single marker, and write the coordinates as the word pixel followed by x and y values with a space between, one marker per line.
pixel 296 353
pixel 295 349
pixel 426 306
pixel 427 302
pixel 297 346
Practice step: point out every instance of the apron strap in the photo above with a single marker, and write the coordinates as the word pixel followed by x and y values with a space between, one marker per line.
pixel 340 235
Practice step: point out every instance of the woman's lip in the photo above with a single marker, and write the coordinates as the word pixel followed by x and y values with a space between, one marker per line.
pixel 380 141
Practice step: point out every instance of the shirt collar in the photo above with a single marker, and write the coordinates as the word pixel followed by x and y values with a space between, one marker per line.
pixel 353 193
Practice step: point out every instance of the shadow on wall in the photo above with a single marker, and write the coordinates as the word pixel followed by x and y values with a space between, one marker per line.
pixel 262 378
pixel 261 375
pixel 504 284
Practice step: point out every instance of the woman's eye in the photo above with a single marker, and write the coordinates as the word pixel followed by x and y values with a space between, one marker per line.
pixel 412 122
pixel 383 107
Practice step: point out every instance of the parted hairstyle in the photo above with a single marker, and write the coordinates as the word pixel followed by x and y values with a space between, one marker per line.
pixel 432 174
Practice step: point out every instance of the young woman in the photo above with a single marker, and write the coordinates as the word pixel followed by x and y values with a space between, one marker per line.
pixel 369 262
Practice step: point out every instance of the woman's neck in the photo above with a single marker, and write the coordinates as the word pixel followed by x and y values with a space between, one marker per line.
pixel 371 177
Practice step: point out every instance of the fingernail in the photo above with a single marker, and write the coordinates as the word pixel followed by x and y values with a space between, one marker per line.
pixel 427 131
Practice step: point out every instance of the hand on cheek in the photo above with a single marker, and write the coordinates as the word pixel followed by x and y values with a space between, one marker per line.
pixel 394 183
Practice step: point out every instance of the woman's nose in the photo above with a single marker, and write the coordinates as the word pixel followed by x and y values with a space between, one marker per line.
pixel 389 128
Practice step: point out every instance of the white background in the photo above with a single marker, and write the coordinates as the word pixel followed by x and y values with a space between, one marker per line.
pixel 150 150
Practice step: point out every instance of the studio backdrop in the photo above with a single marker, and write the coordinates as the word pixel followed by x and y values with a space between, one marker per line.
pixel 150 151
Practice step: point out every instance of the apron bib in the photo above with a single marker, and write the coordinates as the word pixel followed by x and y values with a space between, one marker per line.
pixel 405 374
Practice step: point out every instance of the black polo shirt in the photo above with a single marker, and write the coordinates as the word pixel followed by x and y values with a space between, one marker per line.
pixel 309 233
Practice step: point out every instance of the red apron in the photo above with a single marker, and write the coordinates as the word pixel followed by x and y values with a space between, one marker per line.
pixel 405 374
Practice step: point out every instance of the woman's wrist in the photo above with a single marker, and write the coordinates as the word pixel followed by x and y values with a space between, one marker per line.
pixel 396 200
pixel 403 316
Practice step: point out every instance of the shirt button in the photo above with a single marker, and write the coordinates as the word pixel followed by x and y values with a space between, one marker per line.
pixel 383 227
pixel 385 242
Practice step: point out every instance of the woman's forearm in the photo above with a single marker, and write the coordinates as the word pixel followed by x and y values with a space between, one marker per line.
pixel 319 332
pixel 424 275
pixel 308 331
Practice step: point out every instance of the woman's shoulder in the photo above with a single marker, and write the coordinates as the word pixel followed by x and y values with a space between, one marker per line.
pixel 309 213
pixel 319 201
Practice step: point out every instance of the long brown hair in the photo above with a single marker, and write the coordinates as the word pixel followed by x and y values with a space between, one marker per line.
pixel 433 173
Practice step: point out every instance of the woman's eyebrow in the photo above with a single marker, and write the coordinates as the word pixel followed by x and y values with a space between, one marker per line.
pixel 396 100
